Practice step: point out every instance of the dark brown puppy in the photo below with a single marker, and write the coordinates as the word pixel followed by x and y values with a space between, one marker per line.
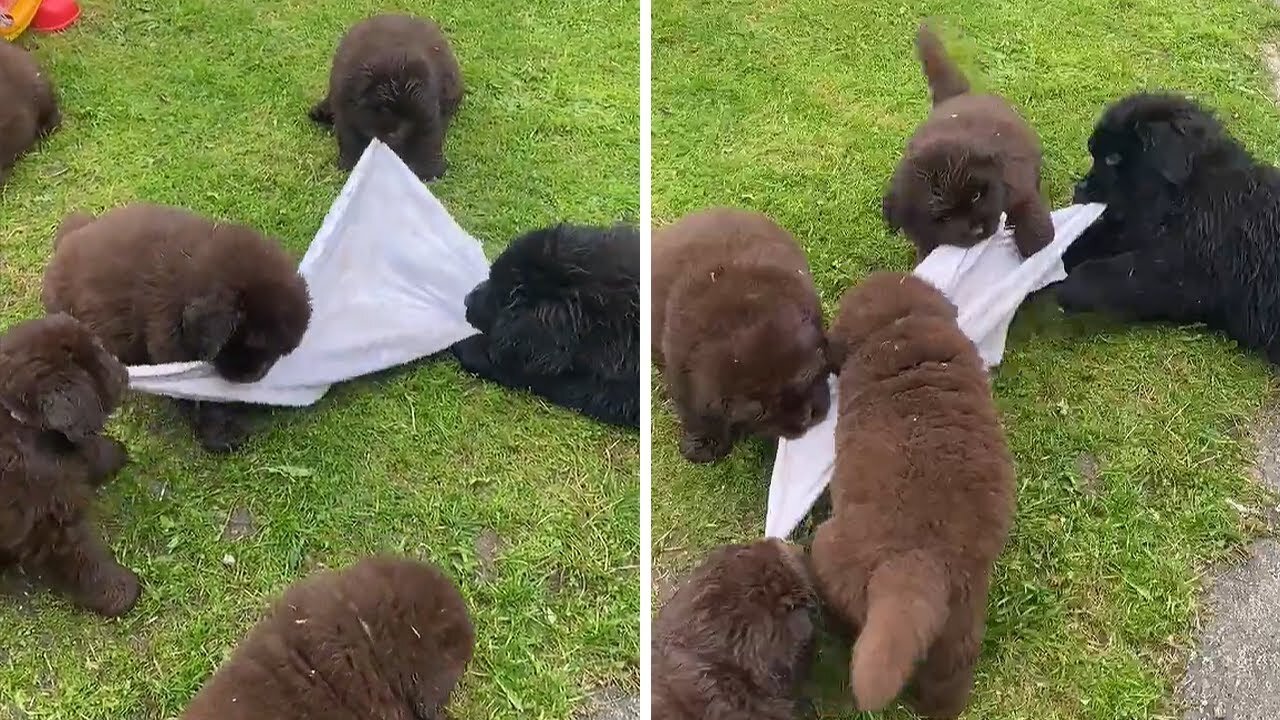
pixel 736 640
pixel 737 327
pixel 922 497
pixel 384 638
pixel 395 78
pixel 28 107
pixel 58 386
pixel 162 285
pixel 971 160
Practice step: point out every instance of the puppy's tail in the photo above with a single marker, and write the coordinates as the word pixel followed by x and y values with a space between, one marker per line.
pixel 944 76
pixel 70 224
pixel 906 609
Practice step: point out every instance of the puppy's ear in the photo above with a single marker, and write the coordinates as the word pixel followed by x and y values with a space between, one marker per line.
pixel 71 408
pixel 1168 146
pixel 208 322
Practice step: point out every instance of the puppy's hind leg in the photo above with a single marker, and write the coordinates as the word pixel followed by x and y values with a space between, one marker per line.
pixel 944 681
pixel 1032 225
pixel 82 565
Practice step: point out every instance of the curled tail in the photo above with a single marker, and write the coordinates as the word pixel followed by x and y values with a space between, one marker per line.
pixel 906 609
pixel 70 224
pixel 944 76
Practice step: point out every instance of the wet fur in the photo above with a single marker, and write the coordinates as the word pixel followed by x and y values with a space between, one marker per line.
pixel 384 638
pixel 394 77
pixel 58 386
pixel 162 285
pixel 559 316
pixel 738 330
pixel 28 106
pixel 922 497
pixel 736 640
pixel 971 160
pixel 1191 226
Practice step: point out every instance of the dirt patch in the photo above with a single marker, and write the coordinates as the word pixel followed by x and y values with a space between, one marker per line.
pixel 1271 58
pixel 488 547
pixel 240 525
pixel 610 703
pixel 1089 468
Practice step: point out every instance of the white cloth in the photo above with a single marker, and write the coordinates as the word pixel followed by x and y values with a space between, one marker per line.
pixel 388 274
pixel 987 283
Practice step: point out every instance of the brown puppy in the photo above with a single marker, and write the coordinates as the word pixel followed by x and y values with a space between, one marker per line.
pixel 28 107
pixel 922 497
pixel 384 638
pixel 162 285
pixel 58 386
pixel 395 78
pixel 971 160
pixel 736 640
pixel 737 327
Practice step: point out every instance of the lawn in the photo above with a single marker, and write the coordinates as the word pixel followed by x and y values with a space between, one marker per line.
pixel 1132 443
pixel 202 103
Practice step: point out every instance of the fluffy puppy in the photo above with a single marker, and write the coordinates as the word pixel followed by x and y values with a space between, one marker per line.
pixel 737 327
pixel 971 160
pixel 559 316
pixel 736 640
pixel 58 386
pixel 161 285
pixel 395 78
pixel 28 107
pixel 1189 233
pixel 922 497
pixel 384 638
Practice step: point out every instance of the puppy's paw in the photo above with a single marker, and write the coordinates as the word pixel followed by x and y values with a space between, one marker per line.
pixel 322 112
pixel 428 171
pixel 703 448
pixel 473 355
pixel 115 594
pixel 220 430
pixel 1073 296
pixel 106 457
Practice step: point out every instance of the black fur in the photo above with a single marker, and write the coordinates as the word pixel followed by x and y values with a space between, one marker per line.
pixel 1191 227
pixel 559 316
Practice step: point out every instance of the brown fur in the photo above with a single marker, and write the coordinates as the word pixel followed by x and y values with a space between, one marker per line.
pixel 58 386
pixel 162 285
pixel 972 159
pixel 386 638
pixel 736 640
pixel 395 78
pixel 738 328
pixel 922 497
pixel 28 106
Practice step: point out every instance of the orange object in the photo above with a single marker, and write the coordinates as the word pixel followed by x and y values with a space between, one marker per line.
pixel 55 16
pixel 15 16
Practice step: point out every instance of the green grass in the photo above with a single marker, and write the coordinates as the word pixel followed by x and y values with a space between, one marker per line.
pixel 202 103
pixel 800 109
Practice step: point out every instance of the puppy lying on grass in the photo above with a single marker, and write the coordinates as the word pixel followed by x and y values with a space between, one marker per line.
pixel 394 77
pixel 922 497
pixel 737 328
pixel 737 639
pixel 28 107
pixel 58 386
pixel 162 285
pixel 384 638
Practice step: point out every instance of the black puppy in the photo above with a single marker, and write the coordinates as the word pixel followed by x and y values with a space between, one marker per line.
pixel 559 316
pixel 1190 230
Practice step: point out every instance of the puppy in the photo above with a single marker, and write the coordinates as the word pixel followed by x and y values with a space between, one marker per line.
pixel 58 386
pixel 162 285
pixel 384 638
pixel 737 327
pixel 1190 229
pixel 28 107
pixel 737 639
pixel 922 497
pixel 560 316
pixel 971 160
pixel 395 78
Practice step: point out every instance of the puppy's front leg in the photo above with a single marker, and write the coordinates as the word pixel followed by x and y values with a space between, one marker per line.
pixel 104 456
pixel 473 355
pixel 1032 225
pixel 82 565
pixel 351 145
pixel 1136 286
pixel 219 427
pixel 705 439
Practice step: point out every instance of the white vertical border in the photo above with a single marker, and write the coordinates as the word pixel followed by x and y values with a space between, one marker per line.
pixel 646 235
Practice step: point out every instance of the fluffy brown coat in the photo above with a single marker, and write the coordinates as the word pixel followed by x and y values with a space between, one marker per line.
pixel 736 640
pixel 972 159
pixel 28 106
pixel 394 77
pixel 58 386
pixel 922 497
pixel 386 638
pixel 738 329
pixel 161 285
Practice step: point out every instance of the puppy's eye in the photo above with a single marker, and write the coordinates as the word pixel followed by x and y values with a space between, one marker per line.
pixel 1112 160
pixel 977 197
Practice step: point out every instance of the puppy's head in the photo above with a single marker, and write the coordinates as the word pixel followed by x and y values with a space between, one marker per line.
pixel 251 309
pixel 881 300
pixel 950 192
pixel 56 375
pixel 395 102
pixel 1144 147
pixel 751 607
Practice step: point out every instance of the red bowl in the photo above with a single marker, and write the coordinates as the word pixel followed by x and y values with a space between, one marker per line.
pixel 55 15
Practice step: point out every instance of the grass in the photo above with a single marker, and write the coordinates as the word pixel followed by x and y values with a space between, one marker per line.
pixel 1132 443
pixel 202 103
